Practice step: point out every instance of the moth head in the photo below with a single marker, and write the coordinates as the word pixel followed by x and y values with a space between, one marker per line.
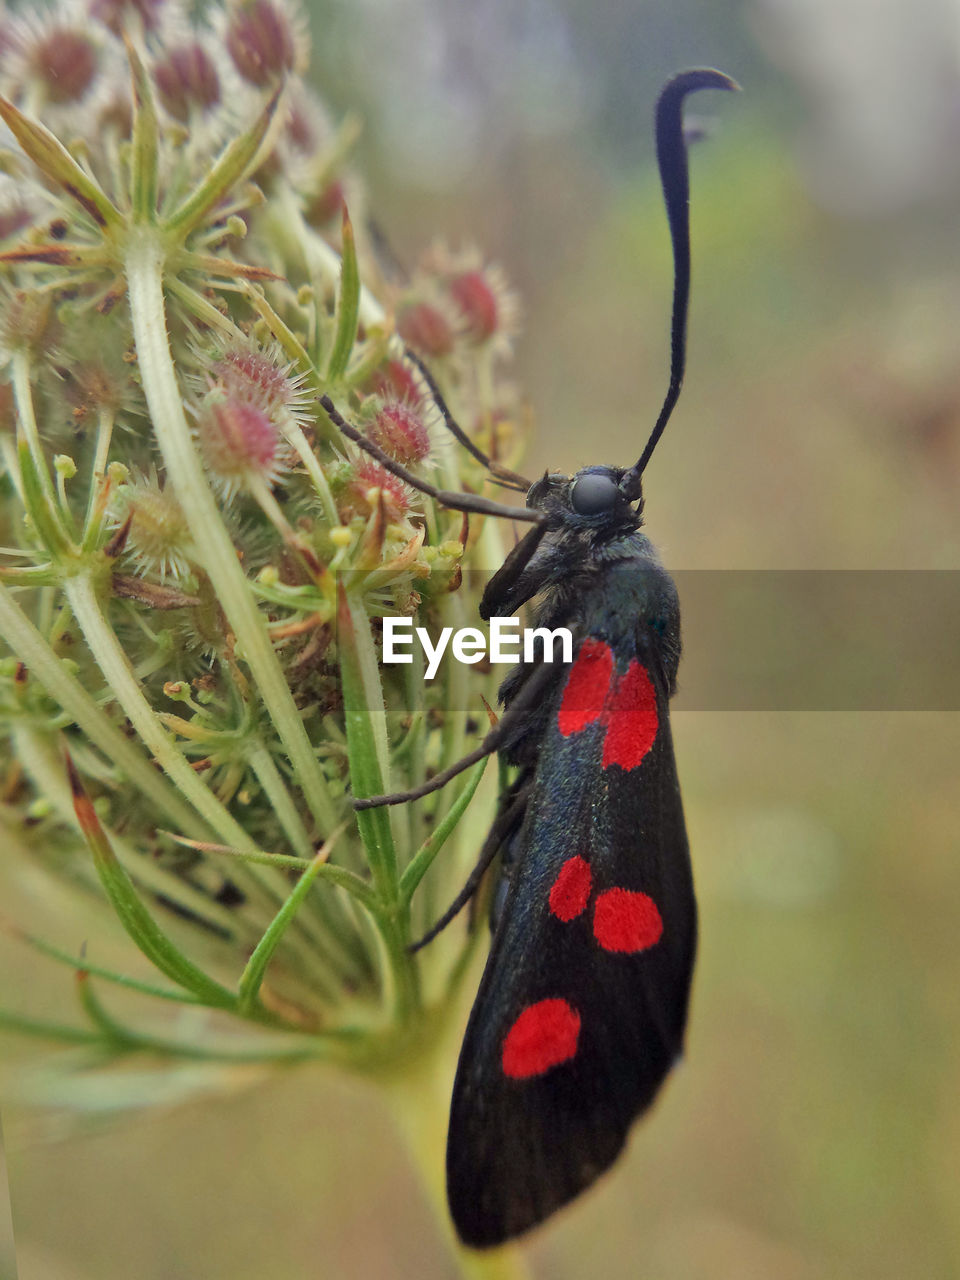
pixel 592 498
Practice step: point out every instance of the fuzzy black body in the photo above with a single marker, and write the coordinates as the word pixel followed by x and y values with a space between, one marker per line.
pixel 541 1106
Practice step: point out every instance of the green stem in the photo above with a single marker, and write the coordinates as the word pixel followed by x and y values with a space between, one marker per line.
pixel 322 262
pixel 332 941
pixel 66 690
pixel 417 1102
pixel 144 269
pixel 113 662
pixel 91 525
pixel 367 751
pixel 422 860
pixel 251 980
pixel 23 395
pixel 274 788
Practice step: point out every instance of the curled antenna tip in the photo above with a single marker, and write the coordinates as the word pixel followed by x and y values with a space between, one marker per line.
pixel 674 179
pixel 695 78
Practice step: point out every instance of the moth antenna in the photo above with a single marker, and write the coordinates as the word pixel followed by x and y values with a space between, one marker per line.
pixel 500 475
pixel 675 182
pixel 446 498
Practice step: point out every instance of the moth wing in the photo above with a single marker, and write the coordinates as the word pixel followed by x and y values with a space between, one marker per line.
pixel 582 1005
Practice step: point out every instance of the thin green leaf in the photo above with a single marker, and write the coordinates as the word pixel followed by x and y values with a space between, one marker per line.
pixel 146 143
pixel 422 860
pixel 339 876
pixel 30 576
pixel 53 159
pixel 38 506
pixel 234 164
pixel 224 268
pixel 20 1023
pixel 252 977
pixel 369 760
pixel 109 975
pixel 361 704
pixel 348 305
pixel 116 1035
pixel 134 917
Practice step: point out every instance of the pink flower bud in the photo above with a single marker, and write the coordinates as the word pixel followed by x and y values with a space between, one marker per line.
pixel 425 327
pixel 117 14
pixel 260 41
pixel 395 380
pixel 187 81
pixel 326 205
pixel 253 376
pixel 367 474
pixel 399 429
pixel 477 302
pixel 64 60
pixel 238 441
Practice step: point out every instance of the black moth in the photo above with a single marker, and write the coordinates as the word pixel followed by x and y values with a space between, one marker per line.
pixel 583 1002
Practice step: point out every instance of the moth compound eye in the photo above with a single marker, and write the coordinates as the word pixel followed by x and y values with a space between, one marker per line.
pixel 593 494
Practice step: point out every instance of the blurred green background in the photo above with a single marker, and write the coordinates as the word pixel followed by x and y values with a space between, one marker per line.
pixel 814 1130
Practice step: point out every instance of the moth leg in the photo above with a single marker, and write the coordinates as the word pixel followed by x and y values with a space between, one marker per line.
pixel 501 733
pixel 503 824
pixel 511 586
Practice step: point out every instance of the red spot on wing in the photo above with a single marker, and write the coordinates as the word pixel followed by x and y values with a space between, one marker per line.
pixel 631 719
pixel 624 920
pixel 544 1035
pixel 626 704
pixel 587 687
pixel 571 889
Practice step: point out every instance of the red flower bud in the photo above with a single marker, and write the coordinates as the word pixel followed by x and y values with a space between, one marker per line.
pixel 187 81
pixel 260 41
pixel 116 14
pixel 368 474
pixel 425 327
pixel 395 380
pixel 399 429
pixel 238 441
pixel 64 60
pixel 477 303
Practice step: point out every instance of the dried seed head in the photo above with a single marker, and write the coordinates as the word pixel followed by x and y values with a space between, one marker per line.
pixel 94 375
pixel 261 38
pixel 118 15
pixel 426 327
pixel 307 127
pixel 477 303
pixel 327 205
pixel 27 322
pixel 158 540
pixel 365 478
pixel 485 308
pixel 396 380
pixel 187 81
pixel 260 378
pixel 115 112
pixel 239 441
pixel 63 61
pixel 399 429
